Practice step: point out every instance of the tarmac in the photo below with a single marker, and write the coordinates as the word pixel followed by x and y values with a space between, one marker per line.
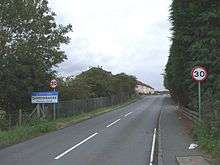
pixel 174 142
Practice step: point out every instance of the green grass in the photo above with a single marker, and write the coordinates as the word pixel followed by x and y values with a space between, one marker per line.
pixel 209 142
pixel 24 132
pixel 37 128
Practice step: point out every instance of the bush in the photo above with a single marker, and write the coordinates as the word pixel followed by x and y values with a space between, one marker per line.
pixel 3 121
pixel 25 132
pixel 44 127
pixel 208 141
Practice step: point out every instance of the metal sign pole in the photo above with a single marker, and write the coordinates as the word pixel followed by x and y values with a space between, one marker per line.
pixel 38 110
pixel 199 96
pixel 54 108
pixel 199 74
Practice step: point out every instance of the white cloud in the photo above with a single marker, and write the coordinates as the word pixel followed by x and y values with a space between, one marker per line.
pixel 121 35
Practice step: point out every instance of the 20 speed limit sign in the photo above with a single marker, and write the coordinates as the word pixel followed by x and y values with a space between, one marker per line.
pixel 199 73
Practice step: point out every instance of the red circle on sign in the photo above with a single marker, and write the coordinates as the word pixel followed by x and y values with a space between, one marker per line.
pixel 53 83
pixel 198 70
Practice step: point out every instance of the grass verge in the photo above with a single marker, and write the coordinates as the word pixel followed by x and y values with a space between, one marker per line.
pixel 209 142
pixel 37 128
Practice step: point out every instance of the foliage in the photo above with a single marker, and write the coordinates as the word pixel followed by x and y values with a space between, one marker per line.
pixel 96 82
pixel 3 121
pixel 195 41
pixel 30 43
pixel 25 132
pixel 207 140
pixel 123 83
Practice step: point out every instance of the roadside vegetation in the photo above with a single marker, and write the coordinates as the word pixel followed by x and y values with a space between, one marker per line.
pixel 209 142
pixel 30 41
pixel 195 41
pixel 96 82
pixel 40 127
pixel 30 50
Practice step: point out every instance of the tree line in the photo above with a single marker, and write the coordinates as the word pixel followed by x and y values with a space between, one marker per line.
pixel 195 41
pixel 30 47
pixel 96 82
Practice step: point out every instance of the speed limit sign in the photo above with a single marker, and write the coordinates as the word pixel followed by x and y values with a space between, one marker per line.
pixel 53 83
pixel 199 73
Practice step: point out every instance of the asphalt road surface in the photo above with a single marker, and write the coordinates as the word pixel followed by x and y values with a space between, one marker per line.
pixel 120 137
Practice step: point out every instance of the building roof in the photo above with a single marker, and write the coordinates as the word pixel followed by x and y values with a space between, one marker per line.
pixel 143 84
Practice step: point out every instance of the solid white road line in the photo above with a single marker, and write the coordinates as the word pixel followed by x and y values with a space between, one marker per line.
pixel 72 148
pixel 113 123
pixel 128 114
pixel 153 147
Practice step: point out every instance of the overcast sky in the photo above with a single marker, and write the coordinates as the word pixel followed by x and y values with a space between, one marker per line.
pixel 130 36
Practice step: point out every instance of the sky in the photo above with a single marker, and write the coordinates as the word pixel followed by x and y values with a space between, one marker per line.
pixel 130 36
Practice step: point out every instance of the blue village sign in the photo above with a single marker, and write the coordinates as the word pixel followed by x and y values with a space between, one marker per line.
pixel 44 97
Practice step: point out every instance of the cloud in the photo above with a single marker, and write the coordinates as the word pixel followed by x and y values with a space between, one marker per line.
pixel 128 36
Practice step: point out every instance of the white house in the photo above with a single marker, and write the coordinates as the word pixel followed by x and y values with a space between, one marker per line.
pixel 142 88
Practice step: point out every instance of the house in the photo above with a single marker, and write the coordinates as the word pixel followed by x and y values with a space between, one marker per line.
pixel 142 88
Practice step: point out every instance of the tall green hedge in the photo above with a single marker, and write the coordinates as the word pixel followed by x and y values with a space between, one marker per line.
pixel 195 41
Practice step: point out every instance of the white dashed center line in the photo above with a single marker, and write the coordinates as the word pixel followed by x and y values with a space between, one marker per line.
pixel 128 114
pixel 113 123
pixel 72 148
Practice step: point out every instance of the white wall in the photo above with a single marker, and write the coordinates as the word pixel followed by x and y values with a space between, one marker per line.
pixel 144 89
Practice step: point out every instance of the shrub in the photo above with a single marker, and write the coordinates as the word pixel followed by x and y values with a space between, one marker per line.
pixel 3 121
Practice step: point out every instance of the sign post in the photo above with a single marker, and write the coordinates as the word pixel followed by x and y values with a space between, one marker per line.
pixel 54 110
pixel 53 85
pixel 199 74
pixel 199 100
pixel 42 98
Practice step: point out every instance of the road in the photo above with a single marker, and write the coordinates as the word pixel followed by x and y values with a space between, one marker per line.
pixel 120 137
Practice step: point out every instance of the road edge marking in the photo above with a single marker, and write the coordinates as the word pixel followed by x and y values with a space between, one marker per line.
pixel 153 147
pixel 113 123
pixel 75 146
pixel 160 151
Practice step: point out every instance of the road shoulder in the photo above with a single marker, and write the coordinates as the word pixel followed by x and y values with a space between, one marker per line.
pixel 173 139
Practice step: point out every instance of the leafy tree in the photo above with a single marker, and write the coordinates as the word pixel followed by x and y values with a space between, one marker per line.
pixel 30 42
pixel 96 82
pixel 124 83
pixel 74 89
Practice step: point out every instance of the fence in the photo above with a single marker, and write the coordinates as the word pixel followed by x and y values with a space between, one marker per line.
pixel 69 108
pixel 192 115
pixel 63 109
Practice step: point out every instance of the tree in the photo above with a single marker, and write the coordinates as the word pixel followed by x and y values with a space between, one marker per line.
pixel 195 41
pixel 195 38
pixel 30 42
pixel 96 82
pixel 124 83
pixel 74 89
